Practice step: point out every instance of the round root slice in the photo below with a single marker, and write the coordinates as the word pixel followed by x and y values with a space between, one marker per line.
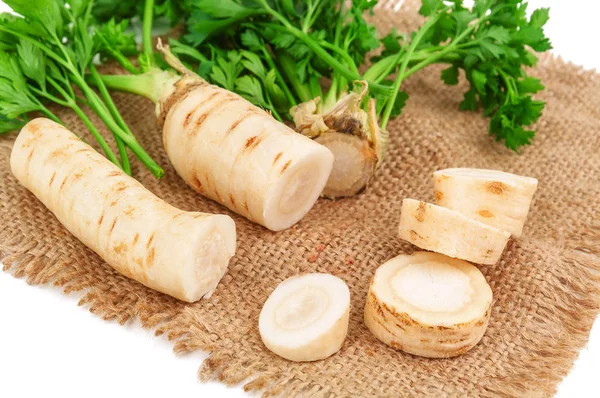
pixel 354 164
pixel 493 197
pixel 306 317
pixel 449 232
pixel 429 305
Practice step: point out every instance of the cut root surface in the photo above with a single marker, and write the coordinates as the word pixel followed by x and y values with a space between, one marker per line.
pixel 306 317
pixel 429 305
pixel 451 233
pixel 353 167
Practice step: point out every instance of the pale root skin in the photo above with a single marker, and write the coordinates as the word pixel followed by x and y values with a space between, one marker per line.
pixel 306 317
pixel 405 326
pixel 445 231
pixel 495 198
pixel 183 254
pixel 238 155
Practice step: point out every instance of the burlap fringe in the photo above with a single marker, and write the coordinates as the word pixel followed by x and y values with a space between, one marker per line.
pixel 32 263
pixel 583 255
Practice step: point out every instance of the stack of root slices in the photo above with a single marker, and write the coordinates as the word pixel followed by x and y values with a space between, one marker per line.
pixel 438 305
pixel 435 305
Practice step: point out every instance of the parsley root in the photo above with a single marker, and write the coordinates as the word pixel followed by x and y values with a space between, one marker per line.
pixel 282 50
pixel 230 150
pixel 129 227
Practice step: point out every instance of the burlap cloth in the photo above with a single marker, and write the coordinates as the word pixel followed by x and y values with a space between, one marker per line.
pixel 546 287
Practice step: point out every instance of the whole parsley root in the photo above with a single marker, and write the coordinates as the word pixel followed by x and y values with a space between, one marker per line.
pixel 278 53
pixel 301 42
pixel 183 254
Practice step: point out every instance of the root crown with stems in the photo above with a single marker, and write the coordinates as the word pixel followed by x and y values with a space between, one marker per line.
pixel 351 133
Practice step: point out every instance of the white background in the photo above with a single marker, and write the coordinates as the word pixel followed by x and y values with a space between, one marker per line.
pixel 51 347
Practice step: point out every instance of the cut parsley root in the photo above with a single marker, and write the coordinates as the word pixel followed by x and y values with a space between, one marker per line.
pixel 230 150
pixel 352 135
pixel 306 317
pixel 449 232
pixel 495 198
pixel 429 305
pixel 183 254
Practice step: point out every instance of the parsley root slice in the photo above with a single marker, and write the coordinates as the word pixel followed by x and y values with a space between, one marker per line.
pixel 429 305
pixel 230 150
pixel 493 197
pixel 182 254
pixel 449 232
pixel 306 317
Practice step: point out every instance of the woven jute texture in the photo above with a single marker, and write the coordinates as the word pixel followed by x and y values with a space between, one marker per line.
pixel 546 287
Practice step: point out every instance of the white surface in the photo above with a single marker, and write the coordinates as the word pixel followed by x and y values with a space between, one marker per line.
pixel 50 347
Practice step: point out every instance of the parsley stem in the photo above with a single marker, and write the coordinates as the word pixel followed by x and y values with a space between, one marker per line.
pixel 48 113
pixel 400 78
pixel 39 45
pixel 49 96
pixel 288 67
pixel 510 86
pixel 128 139
pixel 286 90
pixel 307 18
pixel 116 115
pixel 448 48
pixel 318 49
pixel 338 25
pixel 148 84
pixel 344 54
pixel 69 63
pixel 148 17
pixel 73 105
pixel 118 56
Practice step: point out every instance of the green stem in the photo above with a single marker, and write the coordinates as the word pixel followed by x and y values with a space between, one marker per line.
pixel 400 78
pixel 288 68
pixel 448 48
pixel 315 87
pixel 344 54
pixel 89 93
pixel 88 13
pixel 116 115
pixel 318 50
pixel 286 90
pixel 510 85
pixel 307 18
pixel 118 56
pixel 338 25
pixel 49 96
pixel 149 84
pixel 73 105
pixel 311 15
pixel 128 139
pixel 39 45
pixel 48 113
pixel 62 48
pixel 337 82
pixel 147 30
